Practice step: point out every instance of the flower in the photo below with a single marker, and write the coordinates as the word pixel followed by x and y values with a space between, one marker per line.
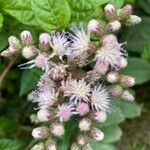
pixel 97 134
pixel 114 26
pixel 64 112
pixel 50 145
pixel 127 96
pixel 39 146
pixel 127 81
pixel 133 20
pixel 112 77
pixel 59 43
pixel 44 115
pixel 81 140
pixel 40 133
pixel 100 98
pixel 100 116
pixel 93 26
pixel 76 90
pixel 82 108
pixel 85 124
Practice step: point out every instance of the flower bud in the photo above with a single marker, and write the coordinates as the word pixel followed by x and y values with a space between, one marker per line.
pixel 6 53
pixel 114 26
pixel 26 38
pixel 40 133
pixel 93 26
pixel 100 116
pixel 50 145
pixel 87 147
pixel 39 146
pixel 82 108
pixel 75 147
pixel 85 124
pixel 127 96
pixel 127 81
pixel 126 12
pixel 123 63
pixel 97 134
pixel 110 12
pixel 29 52
pixel 44 39
pixel 112 77
pixel 57 129
pixel 14 43
pixel 44 115
pixel 117 90
pixel 133 20
pixel 81 140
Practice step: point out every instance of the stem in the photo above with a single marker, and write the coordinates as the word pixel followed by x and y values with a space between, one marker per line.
pixel 8 67
pixel 30 144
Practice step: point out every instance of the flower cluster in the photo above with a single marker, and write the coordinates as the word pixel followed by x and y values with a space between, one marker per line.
pixel 74 68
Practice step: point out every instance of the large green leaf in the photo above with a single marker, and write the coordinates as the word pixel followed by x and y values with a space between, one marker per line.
pixel 1 20
pixel 146 53
pixel 117 3
pixel 138 68
pixel 137 37
pixel 21 10
pixel 51 14
pixel 128 109
pixel 145 4
pixel 29 80
pixel 8 144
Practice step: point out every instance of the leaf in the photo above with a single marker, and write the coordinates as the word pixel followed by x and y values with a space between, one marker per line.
pixel 53 13
pixel 3 41
pixel 85 10
pixel 117 3
pixel 102 146
pixel 137 37
pixel 21 10
pixel 8 144
pixel 112 133
pixel 128 109
pixel 145 5
pixel 29 80
pixel 146 53
pixel 139 69
pixel 1 20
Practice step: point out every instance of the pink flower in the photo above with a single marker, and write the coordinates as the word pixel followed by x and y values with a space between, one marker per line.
pixel 82 108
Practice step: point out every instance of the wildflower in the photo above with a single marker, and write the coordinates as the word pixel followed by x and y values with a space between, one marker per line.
pixel 100 98
pixel 127 96
pixel 85 124
pixel 117 90
pixel 82 108
pixel 64 112
pixel 133 20
pixel 114 26
pixel 26 38
pixel 76 90
pixel 97 134
pixel 127 81
pixel 40 133
pixel 126 11
pixel 57 129
pixel 100 116
pixel 93 26
pixel 44 115
pixel 112 77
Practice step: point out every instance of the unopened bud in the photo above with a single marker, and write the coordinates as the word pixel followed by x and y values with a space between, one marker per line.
pixel 110 12
pixel 29 52
pixel 50 145
pixel 123 63
pixel 100 116
pixel 127 96
pixel 44 115
pixel 117 90
pixel 81 140
pixel 26 38
pixel 97 134
pixel 87 147
pixel 133 20
pixel 44 41
pixel 114 26
pixel 82 108
pixel 85 124
pixel 75 147
pixel 6 53
pixel 112 77
pixel 14 43
pixel 93 26
pixel 127 81
pixel 39 146
pixel 126 12
pixel 57 129
pixel 40 133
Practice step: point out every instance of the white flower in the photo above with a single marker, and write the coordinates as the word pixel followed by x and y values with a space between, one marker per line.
pixel 76 90
pixel 59 44
pixel 100 98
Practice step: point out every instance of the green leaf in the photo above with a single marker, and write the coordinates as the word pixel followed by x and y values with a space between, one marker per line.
pixel 51 14
pixel 3 41
pixel 85 10
pixel 8 144
pixel 29 80
pixel 137 37
pixel 112 133
pixel 21 10
pixel 101 146
pixel 117 3
pixel 128 109
pixel 146 53
pixel 1 20
pixel 145 4
pixel 139 69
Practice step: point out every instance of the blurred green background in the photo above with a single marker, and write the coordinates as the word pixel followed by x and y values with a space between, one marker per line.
pixel 15 110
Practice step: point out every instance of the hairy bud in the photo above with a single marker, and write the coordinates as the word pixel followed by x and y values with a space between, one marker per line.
pixel 97 134
pixel 100 116
pixel 127 96
pixel 40 133
pixel 39 146
pixel 114 26
pixel 85 124
pixel 112 77
pixel 81 140
pixel 44 115
pixel 127 81
pixel 117 90
pixel 93 26
pixel 133 20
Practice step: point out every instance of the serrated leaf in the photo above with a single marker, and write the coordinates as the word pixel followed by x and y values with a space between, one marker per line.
pixel 128 109
pixel 29 80
pixel 8 144
pixel 137 37
pixel 53 14
pixel 145 4
pixel 117 3
pixel 21 10
pixel 1 20
pixel 139 69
